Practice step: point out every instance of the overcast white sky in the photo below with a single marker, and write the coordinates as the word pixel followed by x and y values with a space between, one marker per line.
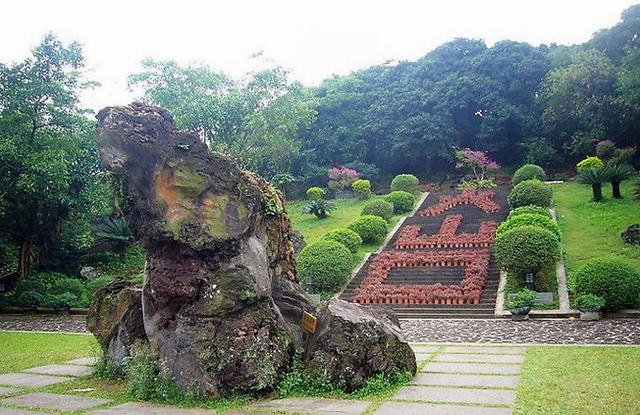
pixel 312 39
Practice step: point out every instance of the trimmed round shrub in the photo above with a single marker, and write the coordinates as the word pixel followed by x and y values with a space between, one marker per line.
pixel 362 189
pixel 328 263
pixel 538 210
pixel 526 249
pixel 529 172
pixel 405 183
pixel 589 163
pixel 315 193
pixel 612 279
pixel 529 219
pixel 346 237
pixel 370 228
pixel 380 208
pixel 402 201
pixel 530 192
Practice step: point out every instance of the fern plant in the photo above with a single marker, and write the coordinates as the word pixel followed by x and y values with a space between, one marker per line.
pixel 595 177
pixel 318 207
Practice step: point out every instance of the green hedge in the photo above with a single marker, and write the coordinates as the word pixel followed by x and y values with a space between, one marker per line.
pixel 362 189
pixel 538 210
pixel 402 201
pixel 327 262
pixel 370 228
pixel 612 279
pixel 530 192
pixel 529 172
pixel 350 239
pixel 526 249
pixel 406 183
pixel 380 208
pixel 529 219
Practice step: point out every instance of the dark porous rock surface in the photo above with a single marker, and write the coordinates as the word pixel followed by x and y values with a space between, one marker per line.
pixel 115 319
pixel 353 343
pixel 631 235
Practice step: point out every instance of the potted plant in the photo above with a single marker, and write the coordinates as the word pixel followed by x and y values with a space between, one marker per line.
pixel 522 303
pixel 590 306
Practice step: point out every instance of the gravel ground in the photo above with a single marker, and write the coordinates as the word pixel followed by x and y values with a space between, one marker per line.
pixel 62 323
pixel 533 331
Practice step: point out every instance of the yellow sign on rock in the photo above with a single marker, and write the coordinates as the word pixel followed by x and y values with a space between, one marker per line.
pixel 309 322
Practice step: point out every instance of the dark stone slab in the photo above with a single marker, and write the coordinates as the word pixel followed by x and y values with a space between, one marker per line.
pixel 63 370
pixel 28 380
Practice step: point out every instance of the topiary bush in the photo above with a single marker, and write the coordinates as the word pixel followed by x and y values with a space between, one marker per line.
pixel 526 249
pixel 529 219
pixel 589 163
pixel 346 237
pixel 370 228
pixel 405 183
pixel 529 172
pixel 530 192
pixel 612 279
pixel 362 189
pixel 327 262
pixel 315 193
pixel 402 201
pixel 380 208
pixel 538 210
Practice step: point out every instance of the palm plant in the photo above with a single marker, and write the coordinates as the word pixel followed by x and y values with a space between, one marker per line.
pixel 114 232
pixel 595 177
pixel 318 207
pixel 619 173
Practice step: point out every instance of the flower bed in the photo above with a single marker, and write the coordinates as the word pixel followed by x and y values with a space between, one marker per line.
pixel 446 238
pixel 373 289
pixel 483 200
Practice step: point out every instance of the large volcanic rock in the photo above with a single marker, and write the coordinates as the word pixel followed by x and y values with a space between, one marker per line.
pixel 221 302
pixel 115 318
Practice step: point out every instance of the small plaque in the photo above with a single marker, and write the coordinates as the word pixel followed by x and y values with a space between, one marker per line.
pixel 309 322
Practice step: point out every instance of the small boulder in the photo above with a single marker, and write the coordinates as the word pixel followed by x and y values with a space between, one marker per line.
pixel 115 318
pixel 631 235
pixel 353 343
pixel 298 241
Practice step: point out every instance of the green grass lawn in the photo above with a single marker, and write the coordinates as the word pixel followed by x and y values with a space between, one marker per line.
pixel 21 351
pixel 592 230
pixel 347 210
pixel 580 380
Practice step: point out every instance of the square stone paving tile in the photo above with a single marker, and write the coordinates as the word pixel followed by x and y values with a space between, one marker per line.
pixel 317 406
pixel 14 411
pixel 456 395
pixel 83 361
pixel 406 408
pixel 481 358
pixel 424 349
pixel 54 401
pixel 143 408
pixel 6 391
pixel 470 381
pixel 30 381
pixel 66 370
pixel 474 368
pixel 484 350
pixel 421 357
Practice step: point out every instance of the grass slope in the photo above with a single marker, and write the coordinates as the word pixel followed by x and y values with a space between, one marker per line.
pixel 592 230
pixel 580 380
pixel 21 351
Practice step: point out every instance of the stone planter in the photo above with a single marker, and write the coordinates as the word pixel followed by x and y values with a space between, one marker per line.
pixel 590 315
pixel 520 314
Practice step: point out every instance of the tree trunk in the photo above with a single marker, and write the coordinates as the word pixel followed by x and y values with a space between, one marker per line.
pixel 597 192
pixel 24 258
pixel 616 189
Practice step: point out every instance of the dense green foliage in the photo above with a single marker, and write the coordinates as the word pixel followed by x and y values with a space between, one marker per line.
pixel 346 237
pixel 524 298
pixel 320 208
pixel 370 228
pixel 315 192
pixel 402 201
pixel 612 279
pixel 589 163
pixel 530 192
pixel 327 262
pixel 590 302
pixel 526 249
pixel 380 208
pixel 529 172
pixel 405 183
pixel 529 219
pixel 538 210
pixel 362 189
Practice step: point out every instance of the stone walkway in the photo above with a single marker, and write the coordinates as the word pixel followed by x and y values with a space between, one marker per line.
pixel 42 322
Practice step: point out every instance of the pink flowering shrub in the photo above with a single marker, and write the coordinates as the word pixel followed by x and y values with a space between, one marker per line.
pixel 479 164
pixel 341 178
